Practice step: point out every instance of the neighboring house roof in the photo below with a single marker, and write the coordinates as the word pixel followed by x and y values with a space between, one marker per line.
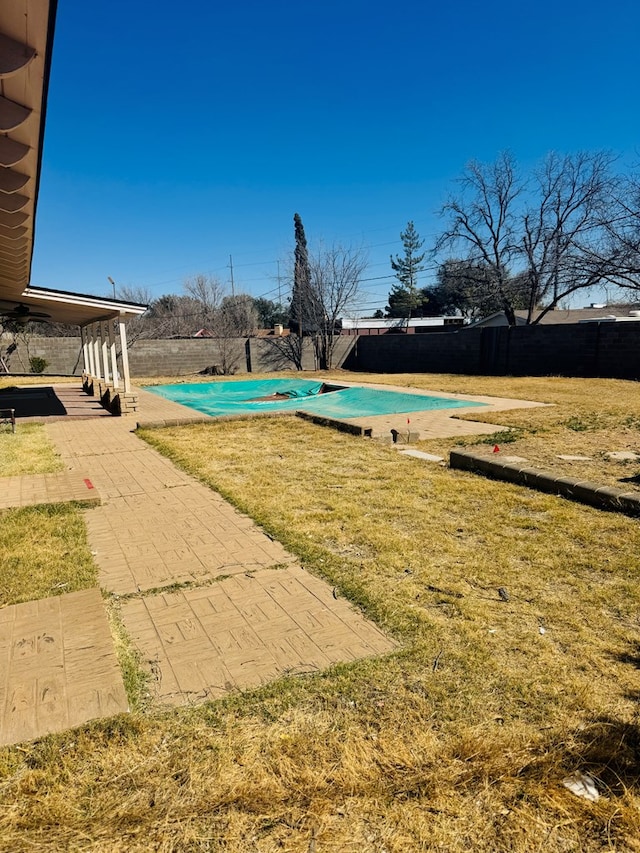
pixel 561 316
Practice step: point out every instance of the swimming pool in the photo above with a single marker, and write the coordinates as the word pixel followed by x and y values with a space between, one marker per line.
pixel 262 396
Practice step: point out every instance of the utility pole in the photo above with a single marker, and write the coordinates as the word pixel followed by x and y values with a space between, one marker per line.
pixel 233 292
pixel 279 291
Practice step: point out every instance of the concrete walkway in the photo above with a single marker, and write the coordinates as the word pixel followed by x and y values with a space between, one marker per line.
pixel 247 612
pixel 59 667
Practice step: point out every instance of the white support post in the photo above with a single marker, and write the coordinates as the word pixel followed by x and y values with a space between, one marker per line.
pixel 105 351
pixel 85 351
pixel 113 353
pixel 125 357
pixel 95 328
pixel 90 351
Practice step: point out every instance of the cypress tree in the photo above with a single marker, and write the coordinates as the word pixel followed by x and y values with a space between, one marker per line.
pixel 303 319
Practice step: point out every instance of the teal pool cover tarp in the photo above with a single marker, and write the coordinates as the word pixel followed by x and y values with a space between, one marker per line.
pixel 241 398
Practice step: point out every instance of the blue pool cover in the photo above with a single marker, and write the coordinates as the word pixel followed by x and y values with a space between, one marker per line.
pixel 244 398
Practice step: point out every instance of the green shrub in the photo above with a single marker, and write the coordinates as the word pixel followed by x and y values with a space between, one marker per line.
pixel 38 364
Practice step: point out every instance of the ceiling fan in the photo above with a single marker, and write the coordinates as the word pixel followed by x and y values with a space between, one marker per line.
pixel 22 314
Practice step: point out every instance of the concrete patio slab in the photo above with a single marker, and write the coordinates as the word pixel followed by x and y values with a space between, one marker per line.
pixel 60 669
pixel 420 454
pixel 244 631
pixel 183 534
pixel 34 489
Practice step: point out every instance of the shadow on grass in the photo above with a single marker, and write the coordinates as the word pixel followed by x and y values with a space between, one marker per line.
pixel 631 656
pixel 606 749
pixel 610 750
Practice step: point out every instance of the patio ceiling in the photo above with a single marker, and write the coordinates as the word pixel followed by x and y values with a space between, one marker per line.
pixel 26 39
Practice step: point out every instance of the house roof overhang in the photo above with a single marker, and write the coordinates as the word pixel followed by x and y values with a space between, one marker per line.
pixel 26 38
pixel 26 45
pixel 78 308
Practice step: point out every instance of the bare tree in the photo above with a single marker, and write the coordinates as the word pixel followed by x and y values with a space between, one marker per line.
pixel 208 292
pixel 335 275
pixel 564 228
pixel 467 288
pixel 235 317
pixel 141 326
pixel 622 242
pixel 558 232
pixel 483 221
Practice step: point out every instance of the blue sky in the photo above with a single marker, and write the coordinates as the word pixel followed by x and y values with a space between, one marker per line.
pixel 180 134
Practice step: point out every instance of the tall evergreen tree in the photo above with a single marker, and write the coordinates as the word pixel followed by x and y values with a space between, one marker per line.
pixel 405 297
pixel 302 314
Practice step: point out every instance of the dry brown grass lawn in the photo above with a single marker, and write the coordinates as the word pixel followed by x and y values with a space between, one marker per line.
pixel 27 451
pixel 7 381
pixel 589 417
pixel 459 741
pixel 43 552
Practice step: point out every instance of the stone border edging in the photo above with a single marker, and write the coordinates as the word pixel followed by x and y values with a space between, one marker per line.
pixel 334 423
pixel 342 426
pixel 172 422
pixel 601 497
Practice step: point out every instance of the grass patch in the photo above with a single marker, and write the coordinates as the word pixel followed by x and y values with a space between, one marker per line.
pixel 27 451
pixel 43 552
pixel 135 678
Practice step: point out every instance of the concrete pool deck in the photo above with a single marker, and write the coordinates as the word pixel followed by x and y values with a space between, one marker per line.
pixel 440 423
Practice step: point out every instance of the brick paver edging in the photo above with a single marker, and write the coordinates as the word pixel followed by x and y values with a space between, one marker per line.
pixel 602 497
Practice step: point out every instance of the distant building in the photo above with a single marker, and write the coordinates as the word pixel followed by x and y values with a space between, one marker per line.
pixel 398 325
pixel 596 313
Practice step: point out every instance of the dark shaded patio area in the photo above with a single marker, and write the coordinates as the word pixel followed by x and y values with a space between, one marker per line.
pixel 50 402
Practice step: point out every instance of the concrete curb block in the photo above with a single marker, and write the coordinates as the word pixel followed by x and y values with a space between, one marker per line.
pixel 334 423
pixel 601 497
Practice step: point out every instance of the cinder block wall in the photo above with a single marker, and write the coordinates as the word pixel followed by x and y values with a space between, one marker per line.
pixel 581 349
pixel 182 357
pixel 64 355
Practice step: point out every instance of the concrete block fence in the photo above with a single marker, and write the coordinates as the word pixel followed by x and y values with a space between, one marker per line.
pixel 603 349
